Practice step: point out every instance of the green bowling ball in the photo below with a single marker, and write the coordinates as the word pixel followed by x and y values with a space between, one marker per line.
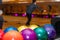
pixel 41 33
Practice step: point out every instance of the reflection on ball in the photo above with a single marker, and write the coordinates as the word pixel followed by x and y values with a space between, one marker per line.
pixel 22 28
pixel 33 26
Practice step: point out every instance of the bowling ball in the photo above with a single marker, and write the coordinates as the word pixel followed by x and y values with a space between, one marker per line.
pixel 50 31
pixel 41 33
pixel 12 35
pixel 1 34
pixel 10 28
pixel 22 28
pixel 33 26
pixel 29 34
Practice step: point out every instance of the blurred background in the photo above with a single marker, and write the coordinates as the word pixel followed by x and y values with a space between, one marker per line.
pixel 14 11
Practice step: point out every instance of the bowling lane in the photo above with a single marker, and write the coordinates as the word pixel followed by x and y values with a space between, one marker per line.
pixel 17 21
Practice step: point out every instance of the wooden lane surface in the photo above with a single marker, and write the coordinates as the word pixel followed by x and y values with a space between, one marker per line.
pixel 18 21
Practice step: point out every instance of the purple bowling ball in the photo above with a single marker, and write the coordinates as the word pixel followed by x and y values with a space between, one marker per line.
pixel 28 34
pixel 50 31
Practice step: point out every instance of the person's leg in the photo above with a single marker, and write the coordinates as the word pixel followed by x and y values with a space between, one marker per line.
pixel 29 18
pixel 1 24
pixel 49 10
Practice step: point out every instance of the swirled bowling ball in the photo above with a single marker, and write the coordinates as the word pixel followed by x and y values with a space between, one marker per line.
pixel 12 35
pixel 50 31
pixel 10 28
pixel 41 33
pixel 29 34
pixel 1 34
pixel 22 28
pixel 33 26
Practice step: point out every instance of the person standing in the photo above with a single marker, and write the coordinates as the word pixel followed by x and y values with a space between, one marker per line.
pixel 1 19
pixel 30 9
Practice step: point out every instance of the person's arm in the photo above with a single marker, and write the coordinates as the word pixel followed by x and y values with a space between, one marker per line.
pixel 49 8
pixel 40 9
pixel 3 19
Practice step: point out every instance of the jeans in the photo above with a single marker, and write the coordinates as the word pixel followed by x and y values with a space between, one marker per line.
pixel 29 18
pixel 1 24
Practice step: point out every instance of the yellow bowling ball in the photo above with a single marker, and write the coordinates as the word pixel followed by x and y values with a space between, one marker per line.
pixel 22 28
pixel 33 26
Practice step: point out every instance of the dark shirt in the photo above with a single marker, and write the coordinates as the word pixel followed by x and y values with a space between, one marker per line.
pixel 31 8
pixel 1 19
pixel 0 1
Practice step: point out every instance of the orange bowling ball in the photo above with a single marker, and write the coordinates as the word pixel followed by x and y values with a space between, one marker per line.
pixel 12 35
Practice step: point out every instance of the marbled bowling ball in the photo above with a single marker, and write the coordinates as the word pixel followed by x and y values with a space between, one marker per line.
pixel 50 31
pixel 41 33
pixel 29 34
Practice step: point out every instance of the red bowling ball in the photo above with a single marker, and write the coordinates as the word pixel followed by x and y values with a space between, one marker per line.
pixel 1 34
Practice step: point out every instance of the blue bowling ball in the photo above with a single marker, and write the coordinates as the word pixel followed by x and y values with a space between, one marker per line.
pixel 50 31
pixel 10 28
